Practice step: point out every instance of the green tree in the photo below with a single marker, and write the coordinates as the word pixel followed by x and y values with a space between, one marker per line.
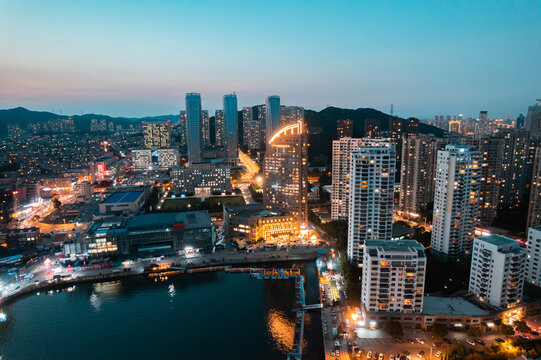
pixel 440 330
pixel 393 328
pixel 506 329
pixel 521 326
pixel 56 203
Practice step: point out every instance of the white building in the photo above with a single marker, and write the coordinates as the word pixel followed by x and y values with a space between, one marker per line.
pixel 167 158
pixel 201 179
pixel 141 159
pixel 533 268
pixel 341 166
pixel 497 270
pixel 371 195
pixel 152 159
pixel 83 188
pixel 456 199
pixel 393 276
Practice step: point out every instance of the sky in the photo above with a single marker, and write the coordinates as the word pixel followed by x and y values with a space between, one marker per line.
pixel 138 58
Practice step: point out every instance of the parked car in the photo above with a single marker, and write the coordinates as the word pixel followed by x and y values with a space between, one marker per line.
pixel 369 355
pixel 500 340
pixel 470 341
pixel 480 342
pixel 448 341
pixel 420 341
pixel 421 353
pixel 438 354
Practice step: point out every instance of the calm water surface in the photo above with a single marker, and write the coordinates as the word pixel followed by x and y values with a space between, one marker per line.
pixel 198 316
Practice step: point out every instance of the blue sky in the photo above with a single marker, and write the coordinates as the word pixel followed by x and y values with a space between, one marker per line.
pixel 138 58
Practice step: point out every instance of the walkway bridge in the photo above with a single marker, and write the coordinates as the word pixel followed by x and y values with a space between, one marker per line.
pixel 300 302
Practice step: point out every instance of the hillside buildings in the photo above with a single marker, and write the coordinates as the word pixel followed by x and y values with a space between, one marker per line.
pixel 344 128
pixel 497 270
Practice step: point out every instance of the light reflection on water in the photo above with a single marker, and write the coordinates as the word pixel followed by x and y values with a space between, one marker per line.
pixel 280 329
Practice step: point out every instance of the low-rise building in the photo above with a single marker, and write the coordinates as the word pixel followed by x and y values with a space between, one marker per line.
pixel 255 222
pixel 201 179
pixel 122 203
pixel 139 236
pixel 14 237
pixel 497 270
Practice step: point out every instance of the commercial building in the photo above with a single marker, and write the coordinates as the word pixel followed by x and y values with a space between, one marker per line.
pixel 497 270
pixel 533 259
pixel 141 159
pixel 456 206
pixel 393 276
pixel 344 128
pixel 202 179
pixel 286 170
pixel 371 195
pixel 254 222
pixel 231 143
pixel 533 119
pixel 417 173
pixel 341 168
pixel 291 115
pixel 193 121
pixel 83 188
pixel 143 235
pixel 103 169
pixel 122 203
pixel 157 134
pixel 272 116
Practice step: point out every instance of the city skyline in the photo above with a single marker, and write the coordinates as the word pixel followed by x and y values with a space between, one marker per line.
pixel 426 60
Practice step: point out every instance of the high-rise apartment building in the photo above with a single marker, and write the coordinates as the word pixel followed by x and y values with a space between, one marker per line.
pixel 272 116
pixel 205 129
pixel 344 128
pixel 534 208
pixel 157 134
pixel 219 128
pixel 291 114
pixel 491 151
pixel 341 167
pixel 252 134
pixel 533 119
pixel 230 127
pixel 371 195
pixel 456 197
pixel 412 127
pixel 393 276
pixel 533 257
pixel 372 128
pixel 183 125
pixel 417 172
pixel 193 120
pixel 286 170
pixel 497 270
pixel 516 175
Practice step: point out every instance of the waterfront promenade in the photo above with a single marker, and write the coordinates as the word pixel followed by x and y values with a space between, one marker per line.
pixel 44 279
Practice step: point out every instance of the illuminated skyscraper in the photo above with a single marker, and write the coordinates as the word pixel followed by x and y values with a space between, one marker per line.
pixel 219 127
pixel 193 119
pixel 230 126
pixel 456 197
pixel 157 134
pixel 272 117
pixel 286 170
pixel 205 129
pixel 371 195
pixel 290 115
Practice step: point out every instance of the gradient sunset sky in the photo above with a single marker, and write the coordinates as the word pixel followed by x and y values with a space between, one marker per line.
pixel 136 58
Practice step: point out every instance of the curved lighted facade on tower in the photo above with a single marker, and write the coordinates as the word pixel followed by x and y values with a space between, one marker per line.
pixel 286 170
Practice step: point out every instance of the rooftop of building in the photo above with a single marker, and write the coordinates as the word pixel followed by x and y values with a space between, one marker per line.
pixel 241 208
pixel 395 245
pixel 123 197
pixel 499 240
pixel 451 306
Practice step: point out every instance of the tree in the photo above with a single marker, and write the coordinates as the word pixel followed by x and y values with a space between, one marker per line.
pixel 439 330
pixel 475 331
pixel 521 326
pixel 506 329
pixel 56 203
pixel 393 328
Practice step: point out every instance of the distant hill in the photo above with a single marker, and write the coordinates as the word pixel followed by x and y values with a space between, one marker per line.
pixel 23 117
pixel 321 142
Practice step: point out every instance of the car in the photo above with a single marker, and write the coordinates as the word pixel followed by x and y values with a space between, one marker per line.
pixel 419 340
pixel 480 342
pixel 470 341
pixel 391 357
pixel 438 354
pixel 448 341
pixel 522 336
pixel 411 341
pixel 381 356
pixel 536 333
pixel 421 353
pixel 500 340
pixel 333 353
pixel 337 352
pixel 369 355
pixel 397 340
pixel 406 352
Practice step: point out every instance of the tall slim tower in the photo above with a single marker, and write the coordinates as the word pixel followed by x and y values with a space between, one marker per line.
pixel 230 126
pixel 193 120
pixel 341 168
pixel 456 199
pixel 286 170
pixel 371 195
pixel 219 127
pixel 272 116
